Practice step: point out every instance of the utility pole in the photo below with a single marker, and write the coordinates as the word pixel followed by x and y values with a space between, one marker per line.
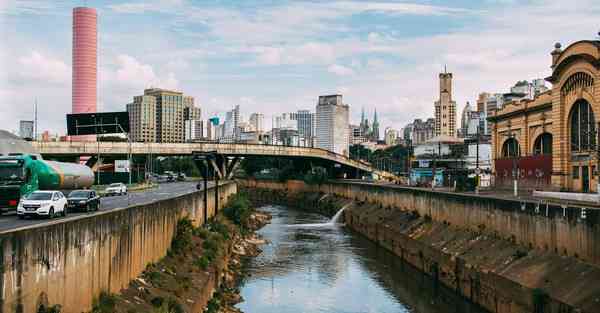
pixel 35 126
pixel 477 164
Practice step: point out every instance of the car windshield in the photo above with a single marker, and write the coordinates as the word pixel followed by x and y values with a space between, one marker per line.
pixel 79 194
pixel 40 196
pixel 115 185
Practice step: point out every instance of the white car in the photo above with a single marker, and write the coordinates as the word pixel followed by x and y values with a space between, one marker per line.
pixel 116 189
pixel 42 203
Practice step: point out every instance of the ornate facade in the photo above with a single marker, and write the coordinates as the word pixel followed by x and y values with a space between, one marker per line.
pixel 551 142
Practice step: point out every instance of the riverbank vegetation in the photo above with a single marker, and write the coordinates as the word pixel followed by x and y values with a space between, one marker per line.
pixel 186 278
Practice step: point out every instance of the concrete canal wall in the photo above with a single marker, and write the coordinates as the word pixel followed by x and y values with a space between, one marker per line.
pixel 506 256
pixel 71 261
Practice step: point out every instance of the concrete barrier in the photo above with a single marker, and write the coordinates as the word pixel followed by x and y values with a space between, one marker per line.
pixel 70 261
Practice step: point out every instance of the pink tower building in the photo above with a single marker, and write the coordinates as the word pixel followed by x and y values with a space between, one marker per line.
pixel 85 62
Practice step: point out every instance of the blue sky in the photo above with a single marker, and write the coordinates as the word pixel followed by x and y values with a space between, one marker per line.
pixel 279 56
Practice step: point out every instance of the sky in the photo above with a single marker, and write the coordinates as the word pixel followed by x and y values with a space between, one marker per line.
pixel 279 56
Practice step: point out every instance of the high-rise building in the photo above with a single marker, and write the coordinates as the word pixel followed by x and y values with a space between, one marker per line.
pixel 142 119
pixel 422 131
pixel 85 62
pixel 231 124
pixel 257 121
pixel 464 120
pixel 26 130
pixel 481 101
pixel 159 115
pixel 306 126
pixel 445 108
pixel 356 135
pixel 287 121
pixel 194 130
pixel 332 124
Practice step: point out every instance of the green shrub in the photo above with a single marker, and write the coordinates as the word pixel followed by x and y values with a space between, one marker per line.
pixel 201 232
pixel 105 304
pixel 238 209
pixel 183 237
pixel 202 262
pixel 167 306
pixel 49 309
pixel 213 305
pixel 220 229
pixel 154 277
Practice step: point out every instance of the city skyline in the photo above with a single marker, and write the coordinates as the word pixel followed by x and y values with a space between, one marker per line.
pixel 382 65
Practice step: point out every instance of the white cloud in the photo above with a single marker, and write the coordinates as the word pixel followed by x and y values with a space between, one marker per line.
pixel 40 67
pixel 340 70
pixel 307 53
pixel 133 73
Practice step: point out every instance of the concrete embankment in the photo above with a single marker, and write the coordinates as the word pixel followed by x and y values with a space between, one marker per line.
pixel 71 261
pixel 505 256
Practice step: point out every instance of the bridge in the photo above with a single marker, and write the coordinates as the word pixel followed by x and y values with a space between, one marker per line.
pixel 230 154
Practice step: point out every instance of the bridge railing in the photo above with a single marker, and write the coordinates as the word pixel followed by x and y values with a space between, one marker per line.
pixel 108 147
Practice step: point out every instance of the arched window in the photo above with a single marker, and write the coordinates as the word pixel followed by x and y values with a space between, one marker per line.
pixel 510 148
pixel 583 127
pixel 543 144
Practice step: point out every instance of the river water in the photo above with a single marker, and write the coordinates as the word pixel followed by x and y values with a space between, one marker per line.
pixel 311 266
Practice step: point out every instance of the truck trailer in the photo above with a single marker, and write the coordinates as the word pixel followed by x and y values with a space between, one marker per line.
pixel 23 174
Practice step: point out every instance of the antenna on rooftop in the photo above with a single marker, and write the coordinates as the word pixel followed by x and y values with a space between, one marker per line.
pixel 445 72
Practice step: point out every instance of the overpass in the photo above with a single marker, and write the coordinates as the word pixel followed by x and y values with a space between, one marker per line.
pixel 230 153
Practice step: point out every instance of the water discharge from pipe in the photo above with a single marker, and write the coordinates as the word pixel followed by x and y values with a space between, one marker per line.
pixel 332 222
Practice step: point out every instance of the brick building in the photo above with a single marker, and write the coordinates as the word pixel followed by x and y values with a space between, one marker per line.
pixel 551 142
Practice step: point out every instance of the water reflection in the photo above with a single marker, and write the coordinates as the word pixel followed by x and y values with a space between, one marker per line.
pixel 329 269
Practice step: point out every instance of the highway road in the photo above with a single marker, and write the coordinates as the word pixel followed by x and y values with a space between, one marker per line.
pixel 167 190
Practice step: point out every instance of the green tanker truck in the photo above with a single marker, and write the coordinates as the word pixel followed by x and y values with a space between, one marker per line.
pixel 21 175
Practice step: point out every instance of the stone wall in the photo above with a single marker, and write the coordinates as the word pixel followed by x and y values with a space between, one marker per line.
pixel 70 261
pixel 494 252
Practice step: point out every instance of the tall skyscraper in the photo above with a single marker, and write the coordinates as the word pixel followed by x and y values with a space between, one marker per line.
pixel 306 126
pixel 332 124
pixel 232 123
pixel 85 62
pixel 445 108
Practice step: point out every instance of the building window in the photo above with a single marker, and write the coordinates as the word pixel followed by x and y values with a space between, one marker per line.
pixel 510 148
pixel 583 128
pixel 575 172
pixel 543 144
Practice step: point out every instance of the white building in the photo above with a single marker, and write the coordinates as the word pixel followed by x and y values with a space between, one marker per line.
pixel 257 121
pixel 529 89
pixel 391 136
pixel 231 124
pixel 193 130
pixel 332 124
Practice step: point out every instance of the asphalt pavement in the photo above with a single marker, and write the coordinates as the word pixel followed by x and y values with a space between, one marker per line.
pixel 10 221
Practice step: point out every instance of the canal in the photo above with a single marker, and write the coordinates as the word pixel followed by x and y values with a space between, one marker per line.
pixel 311 265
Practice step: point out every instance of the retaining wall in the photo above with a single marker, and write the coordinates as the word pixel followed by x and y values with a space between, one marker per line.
pixel 566 230
pixel 493 251
pixel 70 261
